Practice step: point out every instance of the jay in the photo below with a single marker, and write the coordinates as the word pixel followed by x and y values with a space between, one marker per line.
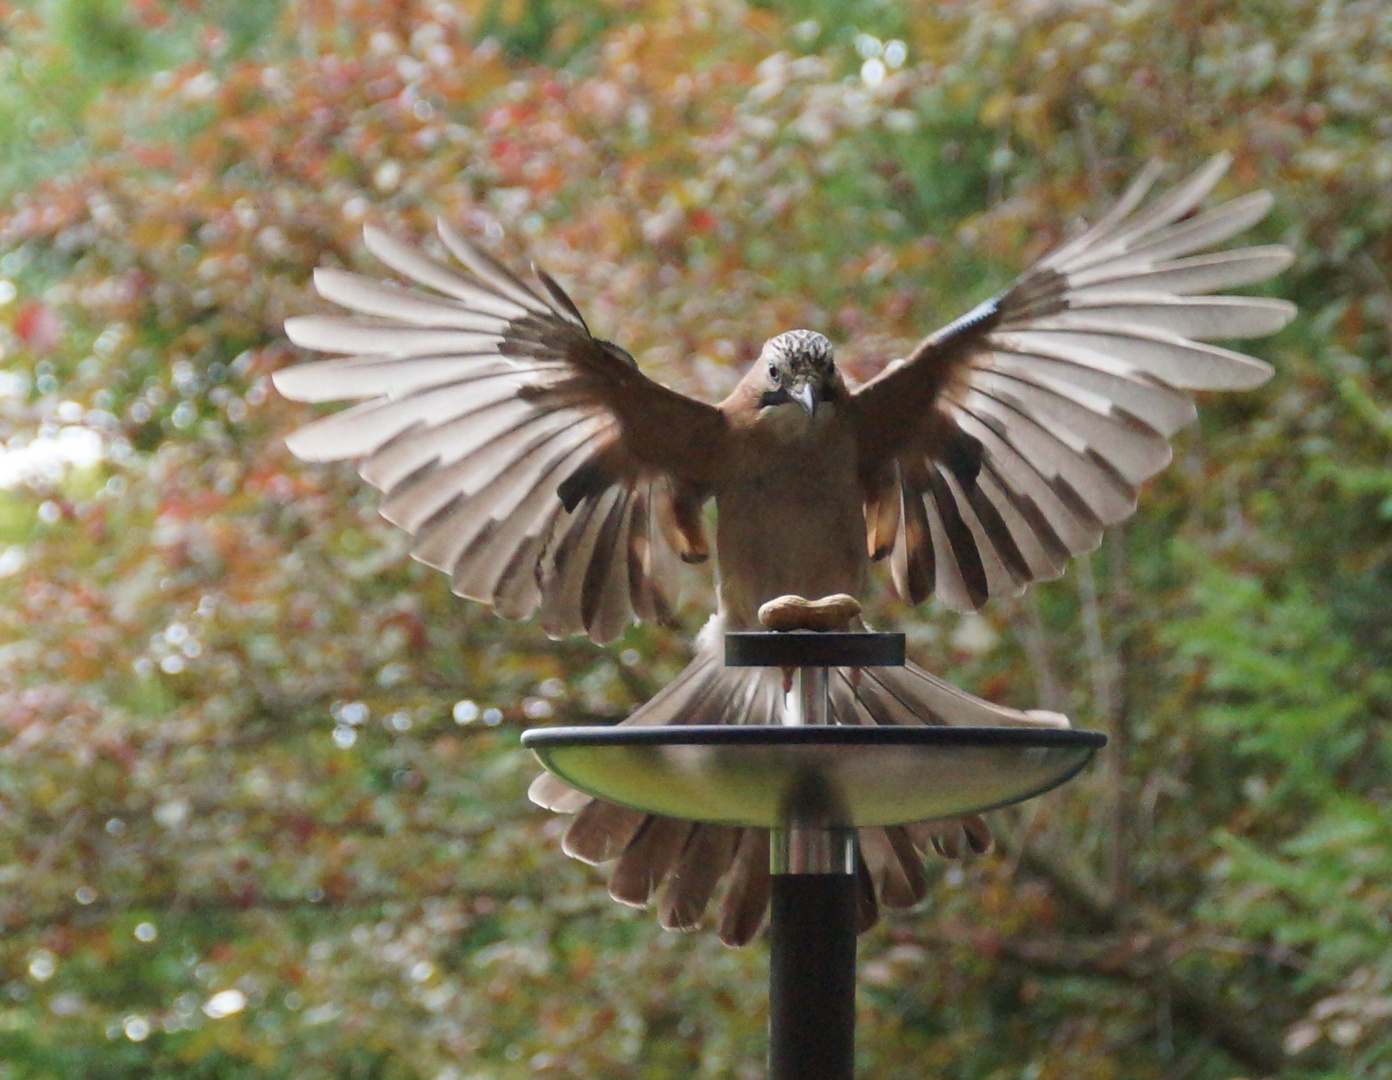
pixel 549 477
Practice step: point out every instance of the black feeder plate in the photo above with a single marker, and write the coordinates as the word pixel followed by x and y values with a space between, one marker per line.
pixel 827 776
pixel 803 648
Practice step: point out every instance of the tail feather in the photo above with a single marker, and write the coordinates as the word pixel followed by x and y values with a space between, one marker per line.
pixel 601 831
pixel 924 695
pixel 683 864
pixel 706 858
pixel 648 858
pixel 552 793
pixel 746 899
pixel 951 839
pixel 895 867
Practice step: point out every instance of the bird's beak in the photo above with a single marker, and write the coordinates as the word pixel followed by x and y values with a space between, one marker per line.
pixel 806 396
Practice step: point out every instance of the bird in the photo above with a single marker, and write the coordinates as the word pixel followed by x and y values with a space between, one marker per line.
pixel 550 478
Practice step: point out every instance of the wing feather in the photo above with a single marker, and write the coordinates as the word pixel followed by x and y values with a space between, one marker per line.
pixel 1037 544
pixel 960 579
pixel 605 605
pixel 491 272
pixel 563 578
pixel 1194 317
pixel 1174 360
pixel 384 300
pixel 1154 404
pixel 1192 276
pixel 913 562
pixel 332 333
pixel 508 507
pixel 423 270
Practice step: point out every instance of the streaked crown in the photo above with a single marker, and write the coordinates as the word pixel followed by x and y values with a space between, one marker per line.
pixel 794 349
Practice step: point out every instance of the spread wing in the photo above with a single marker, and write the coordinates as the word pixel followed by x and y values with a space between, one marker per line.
pixel 1009 438
pixel 532 462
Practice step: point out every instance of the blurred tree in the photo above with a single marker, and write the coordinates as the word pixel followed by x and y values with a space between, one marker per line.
pixel 261 800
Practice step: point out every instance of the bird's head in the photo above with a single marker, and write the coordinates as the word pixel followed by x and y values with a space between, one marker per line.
pixel 798 367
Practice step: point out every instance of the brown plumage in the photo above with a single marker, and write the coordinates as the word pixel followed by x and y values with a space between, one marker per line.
pixel 548 476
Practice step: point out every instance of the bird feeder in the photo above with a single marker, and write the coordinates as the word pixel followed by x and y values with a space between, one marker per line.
pixel 813 784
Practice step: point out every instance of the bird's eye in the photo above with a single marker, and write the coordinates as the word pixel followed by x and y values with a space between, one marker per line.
pixel 773 372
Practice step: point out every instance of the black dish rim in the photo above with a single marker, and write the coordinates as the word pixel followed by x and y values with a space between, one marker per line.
pixel 831 735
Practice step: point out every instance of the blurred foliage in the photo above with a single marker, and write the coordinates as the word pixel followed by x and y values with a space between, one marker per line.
pixel 262 806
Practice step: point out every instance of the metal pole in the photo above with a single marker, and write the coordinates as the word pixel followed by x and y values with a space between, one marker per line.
pixel 812 921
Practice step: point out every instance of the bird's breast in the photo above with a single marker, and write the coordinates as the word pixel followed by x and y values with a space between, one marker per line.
pixel 790 516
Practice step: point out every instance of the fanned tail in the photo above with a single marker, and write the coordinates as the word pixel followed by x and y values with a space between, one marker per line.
pixel 680 865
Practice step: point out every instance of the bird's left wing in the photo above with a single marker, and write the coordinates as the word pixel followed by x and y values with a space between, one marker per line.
pixel 531 461
pixel 1008 439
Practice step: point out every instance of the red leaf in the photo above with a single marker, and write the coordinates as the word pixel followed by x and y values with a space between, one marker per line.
pixel 38 326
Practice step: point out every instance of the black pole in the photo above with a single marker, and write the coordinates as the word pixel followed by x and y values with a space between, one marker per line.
pixel 812 955
pixel 812 864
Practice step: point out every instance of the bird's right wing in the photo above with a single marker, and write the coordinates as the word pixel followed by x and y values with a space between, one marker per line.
pixel 531 461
